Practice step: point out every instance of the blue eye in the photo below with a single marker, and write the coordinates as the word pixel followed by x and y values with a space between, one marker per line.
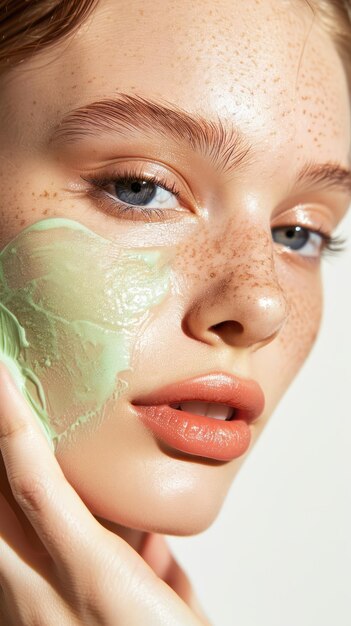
pixel 133 195
pixel 299 239
pixel 138 192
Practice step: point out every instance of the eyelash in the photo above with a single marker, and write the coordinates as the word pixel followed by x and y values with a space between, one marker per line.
pixel 114 207
pixel 331 244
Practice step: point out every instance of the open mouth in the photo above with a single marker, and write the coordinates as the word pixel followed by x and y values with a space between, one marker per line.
pixel 215 426
pixel 208 409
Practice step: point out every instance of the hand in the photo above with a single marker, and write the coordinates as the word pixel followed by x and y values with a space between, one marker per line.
pixel 58 565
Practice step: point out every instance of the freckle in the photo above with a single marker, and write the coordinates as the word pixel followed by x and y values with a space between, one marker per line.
pixel 34 102
pixel 45 211
pixel 22 222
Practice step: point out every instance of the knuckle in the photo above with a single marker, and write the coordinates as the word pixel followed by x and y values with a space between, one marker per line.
pixel 30 491
pixel 11 429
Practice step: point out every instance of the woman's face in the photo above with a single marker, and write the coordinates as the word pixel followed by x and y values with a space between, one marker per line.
pixel 212 289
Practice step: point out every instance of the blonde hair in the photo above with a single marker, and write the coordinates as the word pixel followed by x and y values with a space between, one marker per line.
pixel 28 27
pixel 335 17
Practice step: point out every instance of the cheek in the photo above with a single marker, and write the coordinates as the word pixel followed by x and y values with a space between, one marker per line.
pixel 302 326
pixel 73 305
pixel 290 349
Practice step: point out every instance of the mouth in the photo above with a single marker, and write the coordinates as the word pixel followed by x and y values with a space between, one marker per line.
pixel 209 409
pixel 207 416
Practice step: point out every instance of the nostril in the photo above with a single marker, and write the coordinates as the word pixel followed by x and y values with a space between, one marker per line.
pixel 227 329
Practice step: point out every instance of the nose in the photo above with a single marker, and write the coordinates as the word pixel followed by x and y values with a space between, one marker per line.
pixel 241 302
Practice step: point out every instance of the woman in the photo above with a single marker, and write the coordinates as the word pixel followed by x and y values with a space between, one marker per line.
pixel 171 177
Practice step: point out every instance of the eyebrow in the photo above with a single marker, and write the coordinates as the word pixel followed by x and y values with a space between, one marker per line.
pixel 223 144
pixel 326 175
pixel 226 147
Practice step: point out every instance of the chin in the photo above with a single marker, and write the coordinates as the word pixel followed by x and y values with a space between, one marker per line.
pixel 184 522
pixel 178 522
pixel 148 490
pixel 179 512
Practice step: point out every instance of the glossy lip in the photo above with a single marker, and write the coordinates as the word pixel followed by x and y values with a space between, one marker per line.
pixel 197 434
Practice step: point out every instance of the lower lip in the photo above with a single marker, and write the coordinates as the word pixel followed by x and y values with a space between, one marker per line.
pixel 196 434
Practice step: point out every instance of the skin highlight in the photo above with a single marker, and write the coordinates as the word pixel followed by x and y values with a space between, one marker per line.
pixel 240 303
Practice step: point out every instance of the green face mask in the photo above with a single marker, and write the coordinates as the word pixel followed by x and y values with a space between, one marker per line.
pixel 71 306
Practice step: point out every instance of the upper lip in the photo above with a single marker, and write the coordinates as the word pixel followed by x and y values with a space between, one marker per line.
pixel 244 395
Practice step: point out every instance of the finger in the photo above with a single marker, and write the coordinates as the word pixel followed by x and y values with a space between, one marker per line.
pixel 179 581
pixel 157 554
pixel 12 546
pixel 24 579
pixel 20 520
pixel 58 515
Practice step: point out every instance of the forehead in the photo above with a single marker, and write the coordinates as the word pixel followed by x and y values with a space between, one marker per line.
pixel 265 65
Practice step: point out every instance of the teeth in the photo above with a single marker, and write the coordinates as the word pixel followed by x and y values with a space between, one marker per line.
pixel 198 408
pixel 217 411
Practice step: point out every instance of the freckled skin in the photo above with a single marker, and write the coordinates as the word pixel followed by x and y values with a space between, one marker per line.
pixel 239 302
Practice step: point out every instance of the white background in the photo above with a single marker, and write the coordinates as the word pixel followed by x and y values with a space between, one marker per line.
pixel 279 554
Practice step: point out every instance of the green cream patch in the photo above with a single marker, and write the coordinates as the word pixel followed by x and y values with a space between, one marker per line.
pixel 71 304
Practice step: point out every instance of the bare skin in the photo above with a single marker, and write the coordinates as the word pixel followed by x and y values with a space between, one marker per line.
pixel 242 302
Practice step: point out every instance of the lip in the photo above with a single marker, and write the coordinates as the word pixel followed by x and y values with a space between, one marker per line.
pixel 200 435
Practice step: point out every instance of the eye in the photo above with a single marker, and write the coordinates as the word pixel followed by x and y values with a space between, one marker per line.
pixel 138 192
pixel 303 240
pixel 137 195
